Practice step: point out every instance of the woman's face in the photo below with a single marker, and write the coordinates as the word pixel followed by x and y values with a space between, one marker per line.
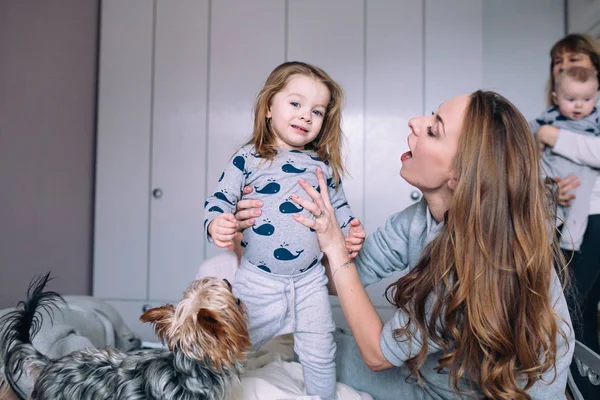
pixel 432 143
pixel 566 59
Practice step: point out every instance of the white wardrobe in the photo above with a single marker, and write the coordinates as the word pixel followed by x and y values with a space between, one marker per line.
pixel 178 78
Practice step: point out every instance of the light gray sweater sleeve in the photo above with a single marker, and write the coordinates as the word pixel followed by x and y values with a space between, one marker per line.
pixel 581 149
pixel 553 386
pixel 228 191
pixel 397 351
pixel 343 212
pixel 386 250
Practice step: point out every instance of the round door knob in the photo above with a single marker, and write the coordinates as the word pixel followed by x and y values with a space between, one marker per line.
pixel 415 195
pixel 157 193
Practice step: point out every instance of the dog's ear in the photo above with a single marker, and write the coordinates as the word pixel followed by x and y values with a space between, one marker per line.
pixel 161 318
pixel 209 321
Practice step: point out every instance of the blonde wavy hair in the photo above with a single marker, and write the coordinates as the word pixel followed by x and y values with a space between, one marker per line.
pixel 485 280
pixel 328 144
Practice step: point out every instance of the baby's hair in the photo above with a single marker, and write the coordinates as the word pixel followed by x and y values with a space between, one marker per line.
pixel 328 143
pixel 578 74
pixel 574 43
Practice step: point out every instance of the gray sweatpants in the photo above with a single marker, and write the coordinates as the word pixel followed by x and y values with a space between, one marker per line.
pixel 298 304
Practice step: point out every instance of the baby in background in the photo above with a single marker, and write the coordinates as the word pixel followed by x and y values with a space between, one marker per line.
pixel 574 96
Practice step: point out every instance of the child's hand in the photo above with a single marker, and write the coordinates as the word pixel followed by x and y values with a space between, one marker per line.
pixel 356 237
pixel 222 229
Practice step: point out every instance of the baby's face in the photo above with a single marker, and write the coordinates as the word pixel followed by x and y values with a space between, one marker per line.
pixel 576 100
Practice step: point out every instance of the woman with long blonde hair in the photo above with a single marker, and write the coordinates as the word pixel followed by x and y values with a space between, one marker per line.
pixel 481 311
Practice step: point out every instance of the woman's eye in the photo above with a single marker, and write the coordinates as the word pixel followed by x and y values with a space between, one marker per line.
pixel 295 104
pixel 429 131
pixel 318 113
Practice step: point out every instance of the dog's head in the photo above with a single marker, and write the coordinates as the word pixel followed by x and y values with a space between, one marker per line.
pixel 208 324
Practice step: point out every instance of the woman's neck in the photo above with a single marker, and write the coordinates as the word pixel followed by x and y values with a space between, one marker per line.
pixel 438 203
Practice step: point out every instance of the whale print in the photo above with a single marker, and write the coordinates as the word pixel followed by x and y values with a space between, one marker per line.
pixel 284 254
pixel 312 264
pixel 265 229
pixel 290 169
pixel 222 175
pixel 255 155
pixel 341 205
pixel 316 158
pixel 240 163
pixel 216 208
pixel 221 196
pixel 331 183
pixel 345 224
pixel 269 188
pixel 261 265
pixel 205 203
pixel 289 207
pixel 243 244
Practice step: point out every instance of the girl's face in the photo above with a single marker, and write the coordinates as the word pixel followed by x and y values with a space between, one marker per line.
pixel 432 144
pixel 297 112
pixel 566 59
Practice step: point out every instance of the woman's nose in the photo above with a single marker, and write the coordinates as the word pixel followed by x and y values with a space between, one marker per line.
pixel 414 125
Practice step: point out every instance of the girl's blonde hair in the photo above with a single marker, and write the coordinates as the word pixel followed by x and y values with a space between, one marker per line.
pixel 328 144
pixel 574 43
pixel 481 289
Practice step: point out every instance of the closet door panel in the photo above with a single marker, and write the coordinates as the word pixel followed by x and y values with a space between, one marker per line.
pixel 247 41
pixel 394 94
pixel 520 33
pixel 319 33
pixel 123 150
pixel 453 49
pixel 178 145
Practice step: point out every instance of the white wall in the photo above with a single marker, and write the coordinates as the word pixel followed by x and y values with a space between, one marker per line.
pixel 177 84
pixel 583 16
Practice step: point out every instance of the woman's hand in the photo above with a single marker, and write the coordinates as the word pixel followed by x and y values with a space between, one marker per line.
pixel 356 237
pixel 246 210
pixel 324 224
pixel 547 135
pixel 564 187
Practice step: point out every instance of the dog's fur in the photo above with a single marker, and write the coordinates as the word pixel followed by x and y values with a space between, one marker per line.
pixel 206 335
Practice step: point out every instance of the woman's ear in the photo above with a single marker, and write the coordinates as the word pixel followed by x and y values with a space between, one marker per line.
pixel 452 182
pixel 554 98
pixel 268 115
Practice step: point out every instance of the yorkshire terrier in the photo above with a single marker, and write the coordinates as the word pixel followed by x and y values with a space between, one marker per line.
pixel 206 335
